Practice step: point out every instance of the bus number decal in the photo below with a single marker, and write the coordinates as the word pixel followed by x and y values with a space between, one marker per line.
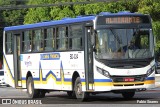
pixel 73 56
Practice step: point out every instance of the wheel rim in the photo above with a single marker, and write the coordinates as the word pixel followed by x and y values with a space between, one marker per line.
pixel 30 88
pixel 79 89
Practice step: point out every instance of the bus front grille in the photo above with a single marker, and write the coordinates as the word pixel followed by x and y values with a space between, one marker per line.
pixel 137 78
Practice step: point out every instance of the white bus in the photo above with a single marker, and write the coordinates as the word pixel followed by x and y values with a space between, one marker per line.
pixel 82 56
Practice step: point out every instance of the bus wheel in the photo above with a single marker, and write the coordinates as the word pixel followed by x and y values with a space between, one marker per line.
pixel 80 95
pixel 128 95
pixel 32 93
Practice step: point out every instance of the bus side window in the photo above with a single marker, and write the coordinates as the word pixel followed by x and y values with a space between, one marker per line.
pixel 49 39
pixel 75 39
pixel 62 38
pixel 37 40
pixel 26 41
pixel 9 43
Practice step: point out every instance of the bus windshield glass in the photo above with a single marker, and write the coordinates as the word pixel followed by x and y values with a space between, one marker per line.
pixel 124 44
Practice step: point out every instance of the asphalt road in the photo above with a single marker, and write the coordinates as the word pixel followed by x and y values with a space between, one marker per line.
pixel 105 98
pixel 151 97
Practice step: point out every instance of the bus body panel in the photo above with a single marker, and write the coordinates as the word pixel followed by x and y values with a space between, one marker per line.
pixel 53 70
pixel 8 70
pixel 102 83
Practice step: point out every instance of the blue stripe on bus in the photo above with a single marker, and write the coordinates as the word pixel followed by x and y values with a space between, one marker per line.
pixel 83 80
pixel 102 80
pixel 150 78
pixel 68 79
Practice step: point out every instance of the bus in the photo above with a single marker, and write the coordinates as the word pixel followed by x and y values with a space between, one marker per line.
pixel 90 54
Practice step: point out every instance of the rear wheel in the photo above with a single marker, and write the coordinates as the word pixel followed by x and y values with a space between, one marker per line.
pixel 80 95
pixel 32 93
pixel 128 95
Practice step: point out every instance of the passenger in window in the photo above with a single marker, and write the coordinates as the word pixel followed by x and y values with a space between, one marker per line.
pixel 132 45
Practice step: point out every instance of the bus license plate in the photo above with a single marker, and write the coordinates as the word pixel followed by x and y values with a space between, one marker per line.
pixel 128 79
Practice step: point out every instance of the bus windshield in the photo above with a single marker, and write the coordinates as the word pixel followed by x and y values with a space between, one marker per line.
pixel 124 43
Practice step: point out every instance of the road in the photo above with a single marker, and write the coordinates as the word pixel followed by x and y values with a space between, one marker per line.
pixel 151 97
pixel 105 98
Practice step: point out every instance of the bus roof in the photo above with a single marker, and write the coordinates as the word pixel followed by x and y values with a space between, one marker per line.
pixel 50 23
pixel 68 20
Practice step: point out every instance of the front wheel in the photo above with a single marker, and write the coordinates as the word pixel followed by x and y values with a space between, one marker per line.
pixel 32 93
pixel 128 95
pixel 80 95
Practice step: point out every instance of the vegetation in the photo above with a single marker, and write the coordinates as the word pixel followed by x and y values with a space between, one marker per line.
pixel 32 15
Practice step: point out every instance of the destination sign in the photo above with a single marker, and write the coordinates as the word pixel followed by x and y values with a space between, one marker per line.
pixel 101 20
pixel 123 20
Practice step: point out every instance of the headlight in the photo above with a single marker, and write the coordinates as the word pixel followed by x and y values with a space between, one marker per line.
pixel 2 79
pixel 103 72
pixel 150 71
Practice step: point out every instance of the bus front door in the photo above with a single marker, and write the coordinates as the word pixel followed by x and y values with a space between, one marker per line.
pixel 17 62
pixel 89 76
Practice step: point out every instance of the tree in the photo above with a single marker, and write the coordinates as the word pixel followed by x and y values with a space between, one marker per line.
pixel 152 7
pixel 38 14
pixel 59 12
pixel 130 5
pixel 10 18
pixel 13 17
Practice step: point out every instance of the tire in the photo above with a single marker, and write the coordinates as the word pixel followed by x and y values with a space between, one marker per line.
pixel 32 93
pixel 80 95
pixel 128 95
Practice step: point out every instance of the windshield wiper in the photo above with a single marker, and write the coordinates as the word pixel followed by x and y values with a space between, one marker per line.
pixel 116 36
